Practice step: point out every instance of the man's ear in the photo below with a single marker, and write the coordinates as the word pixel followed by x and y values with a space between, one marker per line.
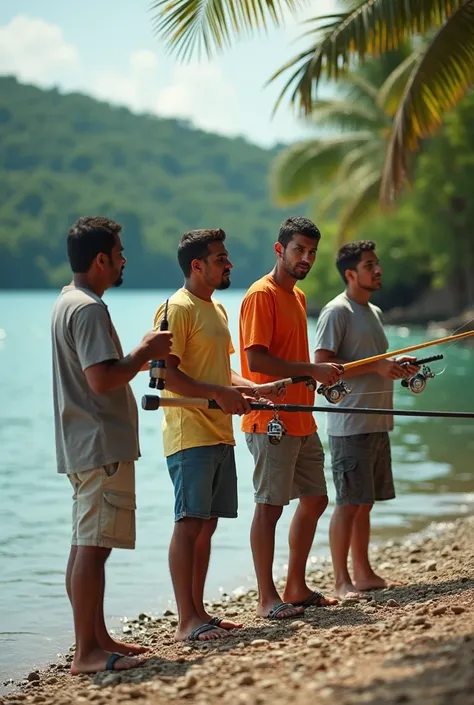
pixel 196 265
pixel 279 249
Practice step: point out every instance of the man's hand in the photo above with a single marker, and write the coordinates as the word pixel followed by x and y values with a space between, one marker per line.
pixel 410 369
pixel 391 369
pixel 326 372
pixel 157 344
pixel 231 401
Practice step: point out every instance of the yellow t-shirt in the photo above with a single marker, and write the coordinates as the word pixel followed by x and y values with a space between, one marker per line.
pixel 202 342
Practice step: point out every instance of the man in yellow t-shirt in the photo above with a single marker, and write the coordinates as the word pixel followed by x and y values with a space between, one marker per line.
pixel 199 443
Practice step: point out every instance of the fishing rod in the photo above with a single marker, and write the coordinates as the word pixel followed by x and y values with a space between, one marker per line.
pixel 152 402
pixel 276 429
pixel 419 346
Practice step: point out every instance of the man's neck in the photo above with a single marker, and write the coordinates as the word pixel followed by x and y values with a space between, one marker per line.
pixel 201 291
pixel 360 296
pixel 284 280
pixel 84 282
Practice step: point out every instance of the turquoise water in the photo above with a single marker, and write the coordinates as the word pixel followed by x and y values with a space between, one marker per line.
pixel 432 464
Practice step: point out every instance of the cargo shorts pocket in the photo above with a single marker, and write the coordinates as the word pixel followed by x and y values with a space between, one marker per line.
pixel 118 517
pixel 347 479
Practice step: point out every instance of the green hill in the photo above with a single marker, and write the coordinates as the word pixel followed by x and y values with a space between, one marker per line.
pixel 62 156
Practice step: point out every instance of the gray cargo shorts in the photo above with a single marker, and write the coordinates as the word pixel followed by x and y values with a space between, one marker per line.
pixel 362 468
pixel 294 468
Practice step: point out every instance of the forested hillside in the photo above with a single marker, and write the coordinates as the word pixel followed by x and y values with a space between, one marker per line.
pixel 62 156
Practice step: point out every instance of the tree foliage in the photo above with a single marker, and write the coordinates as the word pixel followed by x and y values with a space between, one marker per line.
pixel 63 156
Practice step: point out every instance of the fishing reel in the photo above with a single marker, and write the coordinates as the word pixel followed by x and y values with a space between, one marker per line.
pixel 275 429
pixel 417 383
pixel 334 392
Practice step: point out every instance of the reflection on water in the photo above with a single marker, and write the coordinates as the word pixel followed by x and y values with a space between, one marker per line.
pixel 431 460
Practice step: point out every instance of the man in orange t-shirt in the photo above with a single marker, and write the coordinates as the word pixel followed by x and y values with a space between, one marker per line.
pixel 274 345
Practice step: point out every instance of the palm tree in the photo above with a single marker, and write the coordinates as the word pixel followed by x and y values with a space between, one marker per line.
pixel 439 78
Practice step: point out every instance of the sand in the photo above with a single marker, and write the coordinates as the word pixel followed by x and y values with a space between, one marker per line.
pixel 411 644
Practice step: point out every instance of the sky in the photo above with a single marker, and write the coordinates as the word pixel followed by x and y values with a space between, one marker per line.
pixel 107 49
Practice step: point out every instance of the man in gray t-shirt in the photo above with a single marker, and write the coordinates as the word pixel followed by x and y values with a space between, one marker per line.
pixel 96 429
pixel 350 328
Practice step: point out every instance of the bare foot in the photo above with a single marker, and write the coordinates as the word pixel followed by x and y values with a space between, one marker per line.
pixel 347 591
pixel 374 582
pixel 311 598
pixel 280 610
pixel 197 630
pixel 96 661
pixel 123 647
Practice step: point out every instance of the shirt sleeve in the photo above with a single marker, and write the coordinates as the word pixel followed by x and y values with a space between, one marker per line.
pixel 178 325
pixel 330 330
pixel 91 331
pixel 231 345
pixel 256 320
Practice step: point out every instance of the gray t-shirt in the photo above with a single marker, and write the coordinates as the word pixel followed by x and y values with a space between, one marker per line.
pixel 353 332
pixel 91 429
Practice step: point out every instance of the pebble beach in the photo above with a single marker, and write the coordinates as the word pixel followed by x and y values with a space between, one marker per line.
pixel 409 644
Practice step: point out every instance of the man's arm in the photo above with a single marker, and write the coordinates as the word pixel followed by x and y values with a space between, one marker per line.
pixel 261 360
pixel 98 355
pixel 229 399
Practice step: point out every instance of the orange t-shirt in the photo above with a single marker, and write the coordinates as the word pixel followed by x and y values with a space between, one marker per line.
pixel 276 319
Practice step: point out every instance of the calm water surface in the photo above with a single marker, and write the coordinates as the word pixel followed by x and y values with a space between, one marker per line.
pixel 432 465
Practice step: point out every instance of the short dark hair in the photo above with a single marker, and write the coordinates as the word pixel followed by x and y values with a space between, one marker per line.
pixel 349 255
pixel 88 237
pixel 195 245
pixel 297 226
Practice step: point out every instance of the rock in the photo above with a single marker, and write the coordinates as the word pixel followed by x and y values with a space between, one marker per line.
pixel 188 681
pixel 385 566
pixel 111 679
pixel 392 603
pixel 439 610
pixel 232 613
pixel 414 560
pixel 457 609
pixel 454 547
pixel 245 679
pixel 168 613
pixel 418 621
pixel 127 629
pixel 187 649
pixel 33 676
pixel 298 624
pixel 314 643
pixel 422 610
pixel 430 565
pixel 259 642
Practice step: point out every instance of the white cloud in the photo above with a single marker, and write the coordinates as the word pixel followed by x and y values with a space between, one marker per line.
pixel 201 93
pixel 198 92
pixel 35 51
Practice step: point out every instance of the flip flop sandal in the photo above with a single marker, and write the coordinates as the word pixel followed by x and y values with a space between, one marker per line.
pixel 202 629
pixel 275 611
pixel 314 600
pixel 109 666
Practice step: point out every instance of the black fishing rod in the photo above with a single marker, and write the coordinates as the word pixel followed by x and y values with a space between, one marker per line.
pixel 151 402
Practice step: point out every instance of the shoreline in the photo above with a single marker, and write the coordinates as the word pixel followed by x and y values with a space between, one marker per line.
pixel 412 644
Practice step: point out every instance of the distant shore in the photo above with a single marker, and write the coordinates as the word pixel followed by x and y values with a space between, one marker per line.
pixel 411 644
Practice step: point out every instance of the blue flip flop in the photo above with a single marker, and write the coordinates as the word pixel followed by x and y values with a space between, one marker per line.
pixel 109 666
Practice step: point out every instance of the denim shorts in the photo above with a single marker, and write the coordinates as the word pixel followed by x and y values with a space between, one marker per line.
pixel 362 468
pixel 205 482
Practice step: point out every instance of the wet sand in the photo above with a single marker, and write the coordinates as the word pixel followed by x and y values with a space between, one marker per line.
pixel 410 644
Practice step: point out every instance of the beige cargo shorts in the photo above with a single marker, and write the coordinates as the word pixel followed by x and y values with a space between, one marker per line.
pixel 294 468
pixel 103 510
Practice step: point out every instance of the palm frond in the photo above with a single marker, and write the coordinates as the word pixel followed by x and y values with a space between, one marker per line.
pixel 363 204
pixel 391 92
pixel 191 26
pixel 370 152
pixel 439 80
pixel 370 29
pixel 345 115
pixel 300 168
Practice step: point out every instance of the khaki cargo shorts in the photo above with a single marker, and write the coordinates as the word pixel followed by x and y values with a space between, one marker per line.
pixel 293 468
pixel 103 510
